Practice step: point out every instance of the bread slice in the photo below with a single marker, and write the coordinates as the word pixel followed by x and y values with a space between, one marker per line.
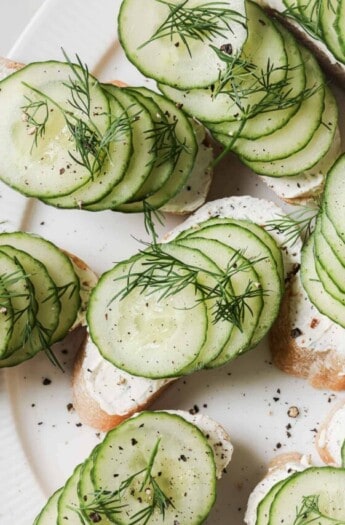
pixel 331 435
pixel 306 343
pixel 104 395
pixel 279 469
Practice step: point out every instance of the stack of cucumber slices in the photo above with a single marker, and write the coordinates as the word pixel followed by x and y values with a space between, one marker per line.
pixel 269 103
pixel 314 495
pixel 171 310
pixel 323 257
pixel 41 295
pixel 156 467
pixel 74 143
pixel 323 20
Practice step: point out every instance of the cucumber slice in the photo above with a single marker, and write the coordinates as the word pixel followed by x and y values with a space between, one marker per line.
pixel 328 20
pixel 329 268
pixel 192 255
pixel 12 282
pixel 163 143
pixel 264 45
pixel 114 168
pixel 333 196
pixel 252 248
pixel 36 285
pixel 319 297
pixel 145 333
pixel 45 169
pixel 222 254
pixel 293 86
pixel 263 509
pixel 340 24
pixel 173 453
pixel 143 155
pixel 311 154
pixel 59 268
pixel 69 503
pixel 299 129
pixel 180 36
pixel 184 162
pixel 315 494
pixel 49 514
pixel 332 238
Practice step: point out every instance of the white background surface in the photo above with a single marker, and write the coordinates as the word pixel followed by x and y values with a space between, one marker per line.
pixel 41 440
pixel 14 15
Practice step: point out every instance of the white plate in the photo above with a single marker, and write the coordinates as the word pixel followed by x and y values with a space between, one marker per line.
pixel 41 440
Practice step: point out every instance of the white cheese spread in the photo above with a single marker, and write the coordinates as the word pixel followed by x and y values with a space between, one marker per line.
pixel 116 391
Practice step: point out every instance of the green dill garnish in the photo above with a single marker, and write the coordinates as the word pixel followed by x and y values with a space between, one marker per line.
pixel 164 275
pixel 256 91
pixel 308 15
pixel 310 512
pixel 106 502
pixel 167 146
pixel 295 226
pixel 202 22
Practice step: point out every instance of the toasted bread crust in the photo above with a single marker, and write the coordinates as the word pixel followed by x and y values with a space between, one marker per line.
pixel 89 410
pixel 322 369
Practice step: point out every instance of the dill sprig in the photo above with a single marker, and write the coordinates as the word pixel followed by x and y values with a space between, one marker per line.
pixel 297 225
pixel 36 114
pixel 310 512
pixel 106 502
pixel 202 22
pixel 308 15
pixel 166 275
pixel 166 144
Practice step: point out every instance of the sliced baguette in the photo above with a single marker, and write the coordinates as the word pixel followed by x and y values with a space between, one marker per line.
pixel 331 435
pixel 279 469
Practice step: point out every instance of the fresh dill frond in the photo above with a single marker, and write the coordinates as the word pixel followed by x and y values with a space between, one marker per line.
pixel 297 225
pixel 310 513
pixel 35 115
pixel 202 22
pixel 308 15
pixel 166 144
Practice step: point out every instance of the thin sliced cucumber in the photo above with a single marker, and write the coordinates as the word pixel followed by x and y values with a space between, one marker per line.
pixel 333 200
pixel 319 297
pixel 217 104
pixel 332 271
pixel 145 333
pixel 263 509
pixel 114 168
pixel 184 162
pixel 143 155
pixel 328 19
pixel 12 282
pixel 298 131
pixel 179 459
pixel 163 143
pixel 36 278
pixel 291 92
pixel 332 238
pixel 316 494
pixel 316 149
pixel 59 268
pixel 340 24
pixel 252 248
pixel 49 513
pixel 183 54
pixel 69 503
pixel 208 275
pixel 40 158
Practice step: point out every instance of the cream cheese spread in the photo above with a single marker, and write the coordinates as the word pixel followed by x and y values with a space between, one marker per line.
pixel 116 391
